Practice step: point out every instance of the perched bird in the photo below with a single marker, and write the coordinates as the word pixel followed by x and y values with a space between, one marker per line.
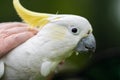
pixel 58 37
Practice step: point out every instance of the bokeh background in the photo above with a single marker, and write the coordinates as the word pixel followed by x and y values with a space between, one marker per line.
pixel 104 16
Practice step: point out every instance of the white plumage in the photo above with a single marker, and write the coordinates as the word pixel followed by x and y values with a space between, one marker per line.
pixel 40 55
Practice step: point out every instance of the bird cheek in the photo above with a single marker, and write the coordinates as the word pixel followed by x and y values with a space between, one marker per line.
pixel 58 33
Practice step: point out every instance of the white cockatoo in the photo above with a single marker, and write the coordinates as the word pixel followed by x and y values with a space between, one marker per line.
pixel 58 37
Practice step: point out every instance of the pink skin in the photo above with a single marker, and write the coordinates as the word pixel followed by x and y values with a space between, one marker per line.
pixel 12 34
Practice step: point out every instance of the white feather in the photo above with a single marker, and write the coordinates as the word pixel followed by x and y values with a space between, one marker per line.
pixel 41 54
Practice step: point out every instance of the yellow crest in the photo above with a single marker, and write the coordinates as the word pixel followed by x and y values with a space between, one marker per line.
pixel 32 18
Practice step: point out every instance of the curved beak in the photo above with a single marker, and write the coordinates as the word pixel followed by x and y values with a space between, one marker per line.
pixel 86 45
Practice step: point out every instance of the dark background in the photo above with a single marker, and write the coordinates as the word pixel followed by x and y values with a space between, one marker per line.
pixel 104 16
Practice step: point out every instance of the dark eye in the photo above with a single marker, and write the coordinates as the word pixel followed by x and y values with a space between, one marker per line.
pixel 74 30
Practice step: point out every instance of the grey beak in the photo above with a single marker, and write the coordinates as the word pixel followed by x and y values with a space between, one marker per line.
pixel 86 45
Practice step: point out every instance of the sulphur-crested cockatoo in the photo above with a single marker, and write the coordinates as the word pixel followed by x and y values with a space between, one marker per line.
pixel 58 37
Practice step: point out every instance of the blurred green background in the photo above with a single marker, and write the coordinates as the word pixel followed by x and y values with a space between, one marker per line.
pixel 104 16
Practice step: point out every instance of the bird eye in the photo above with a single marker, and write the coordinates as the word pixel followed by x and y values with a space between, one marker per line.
pixel 75 30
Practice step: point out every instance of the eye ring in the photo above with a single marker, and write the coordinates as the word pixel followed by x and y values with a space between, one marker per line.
pixel 75 30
